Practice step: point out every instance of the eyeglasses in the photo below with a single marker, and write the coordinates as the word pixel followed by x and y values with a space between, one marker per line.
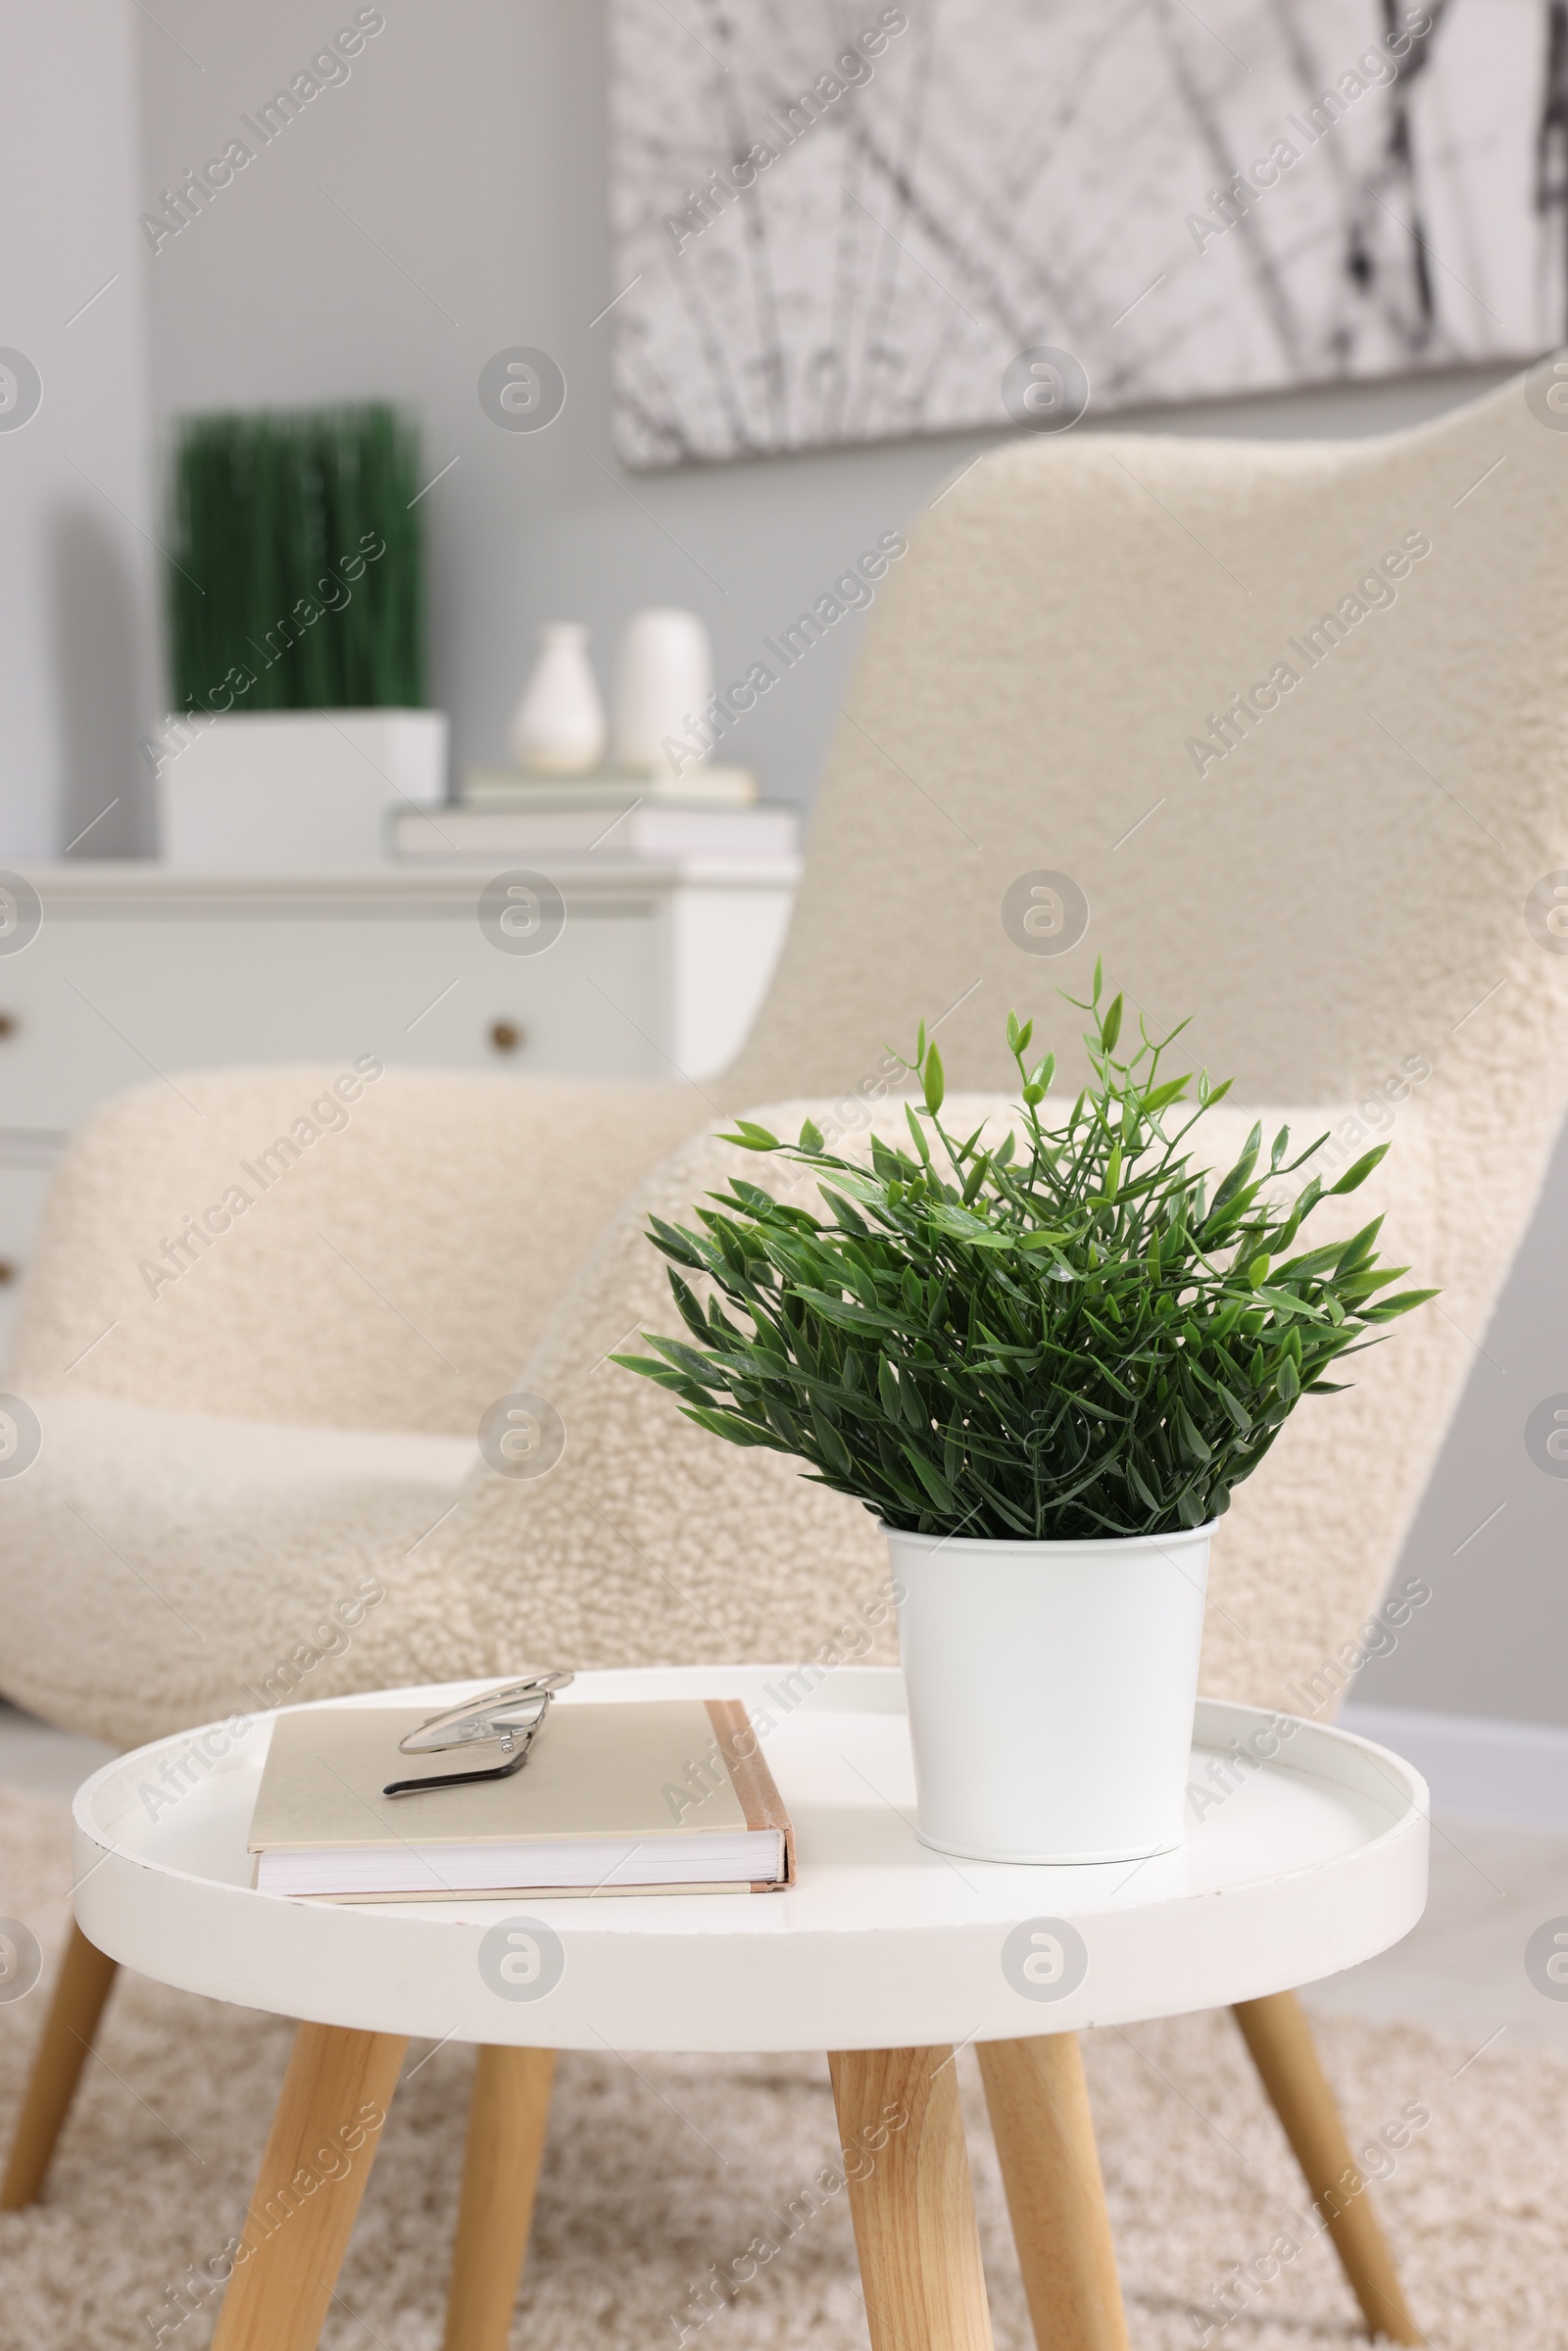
pixel 508 1717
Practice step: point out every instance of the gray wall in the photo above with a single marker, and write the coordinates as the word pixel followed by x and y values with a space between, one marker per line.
pixel 1490 1536
pixel 449 200
pixel 77 576
pixel 469 148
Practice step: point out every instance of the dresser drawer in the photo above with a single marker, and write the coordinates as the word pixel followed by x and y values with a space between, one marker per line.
pixel 22 1192
pixel 99 1002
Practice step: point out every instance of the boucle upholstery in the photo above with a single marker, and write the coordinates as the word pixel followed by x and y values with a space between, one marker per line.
pixel 1337 900
pixel 196 1566
pixel 229 1546
pixel 1329 897
pixel 391 1275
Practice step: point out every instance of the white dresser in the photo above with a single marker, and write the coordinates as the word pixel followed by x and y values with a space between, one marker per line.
pixel 139 971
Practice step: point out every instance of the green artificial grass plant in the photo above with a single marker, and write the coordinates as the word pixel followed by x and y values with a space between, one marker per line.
pixel 296 581
pixel 1071 1332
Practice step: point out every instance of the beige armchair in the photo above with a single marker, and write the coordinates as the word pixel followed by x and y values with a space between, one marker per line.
pixel 1288 718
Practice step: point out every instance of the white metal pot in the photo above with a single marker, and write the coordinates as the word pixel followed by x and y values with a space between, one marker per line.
pixel 1051 1690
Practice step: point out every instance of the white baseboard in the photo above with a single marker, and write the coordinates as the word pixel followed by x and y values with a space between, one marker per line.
pixel 1491 1770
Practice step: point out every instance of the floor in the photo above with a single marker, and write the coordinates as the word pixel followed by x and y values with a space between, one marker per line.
pixel 1462 1970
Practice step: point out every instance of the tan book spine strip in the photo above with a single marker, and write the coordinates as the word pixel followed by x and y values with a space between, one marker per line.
pixel 754 1783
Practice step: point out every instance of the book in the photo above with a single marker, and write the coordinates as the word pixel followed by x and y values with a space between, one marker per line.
pixel 666 1796
pixel 700 787
pixel 613 826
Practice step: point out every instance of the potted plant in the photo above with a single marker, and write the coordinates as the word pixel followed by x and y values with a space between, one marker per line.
pixel 296 607
pixel 1043 1359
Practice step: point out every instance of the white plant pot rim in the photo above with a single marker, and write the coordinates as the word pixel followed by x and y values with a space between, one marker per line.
pixel 1050 1687
pixel 982 1543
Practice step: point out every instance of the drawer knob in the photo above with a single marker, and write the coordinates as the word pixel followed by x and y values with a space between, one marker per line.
pixel 8 1024
pixel 505 1036
pixel 9 1271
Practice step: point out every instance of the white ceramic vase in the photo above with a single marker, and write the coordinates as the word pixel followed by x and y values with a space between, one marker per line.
pixel 664 675
pixel 1051 1690
pixel 558 727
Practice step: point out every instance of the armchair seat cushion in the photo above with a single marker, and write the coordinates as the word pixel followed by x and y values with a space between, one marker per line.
pixel 184 1567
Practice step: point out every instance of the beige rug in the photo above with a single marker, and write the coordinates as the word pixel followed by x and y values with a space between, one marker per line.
pixel 657 2166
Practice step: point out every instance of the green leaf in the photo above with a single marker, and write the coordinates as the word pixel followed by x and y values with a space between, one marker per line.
pixel 810 1136
pixel 1238 1173
pixel 930 1477
pixel 1357 1175
pixel 1187 1432
pixel 1400 1303
pixel 1110 1026
pixel 1139 1483
pixel 751 1138
pixel 849 1218
pixel 1286 1301
pixel 933 1083
pixel 663 1373
pixel 729 1425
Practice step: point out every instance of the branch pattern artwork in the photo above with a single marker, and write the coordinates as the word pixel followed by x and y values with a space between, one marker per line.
pixel 837 223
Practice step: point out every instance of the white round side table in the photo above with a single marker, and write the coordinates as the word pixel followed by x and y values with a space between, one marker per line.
pixel 885 1954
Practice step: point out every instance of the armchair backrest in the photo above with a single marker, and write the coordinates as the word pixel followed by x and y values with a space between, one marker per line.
pixel 1290 722
pixel 1291 717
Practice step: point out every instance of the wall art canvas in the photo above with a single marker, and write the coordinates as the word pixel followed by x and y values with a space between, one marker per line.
pixel 836 224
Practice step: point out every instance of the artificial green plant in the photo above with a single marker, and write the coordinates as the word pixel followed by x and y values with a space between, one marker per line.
pixel 1070 1331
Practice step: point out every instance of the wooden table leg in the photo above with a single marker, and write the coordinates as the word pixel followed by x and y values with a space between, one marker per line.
pixel 318 2157
pixel 1038 2105
pixel 81 1988
pixel 1280 2038
pixel 912 2207
pixel 507 2121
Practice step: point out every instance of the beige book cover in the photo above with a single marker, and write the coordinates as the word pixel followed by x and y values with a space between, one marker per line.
pixel 660 1774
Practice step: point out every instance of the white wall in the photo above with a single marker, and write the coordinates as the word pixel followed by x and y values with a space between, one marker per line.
pixel 77 583
pixel 447 201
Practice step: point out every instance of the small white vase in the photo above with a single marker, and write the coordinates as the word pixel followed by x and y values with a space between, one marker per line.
pixel 1050 1690
pixel 558 727
pixel 664 675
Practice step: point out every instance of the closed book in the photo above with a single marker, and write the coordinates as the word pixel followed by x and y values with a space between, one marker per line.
pixel 666 1796
pixel 619 826
pixel 701 786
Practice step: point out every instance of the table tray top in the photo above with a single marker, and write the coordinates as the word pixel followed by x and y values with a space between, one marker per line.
pixel 1299 1865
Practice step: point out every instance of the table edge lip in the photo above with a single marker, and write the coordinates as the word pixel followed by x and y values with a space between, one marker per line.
pixel 1326 1738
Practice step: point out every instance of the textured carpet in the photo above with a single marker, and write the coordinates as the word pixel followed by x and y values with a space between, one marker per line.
pixel 657 2166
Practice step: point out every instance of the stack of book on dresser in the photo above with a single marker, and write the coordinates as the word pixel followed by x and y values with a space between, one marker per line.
pixel 708 812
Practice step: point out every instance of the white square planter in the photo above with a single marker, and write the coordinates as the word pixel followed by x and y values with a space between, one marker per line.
pixel 294 791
